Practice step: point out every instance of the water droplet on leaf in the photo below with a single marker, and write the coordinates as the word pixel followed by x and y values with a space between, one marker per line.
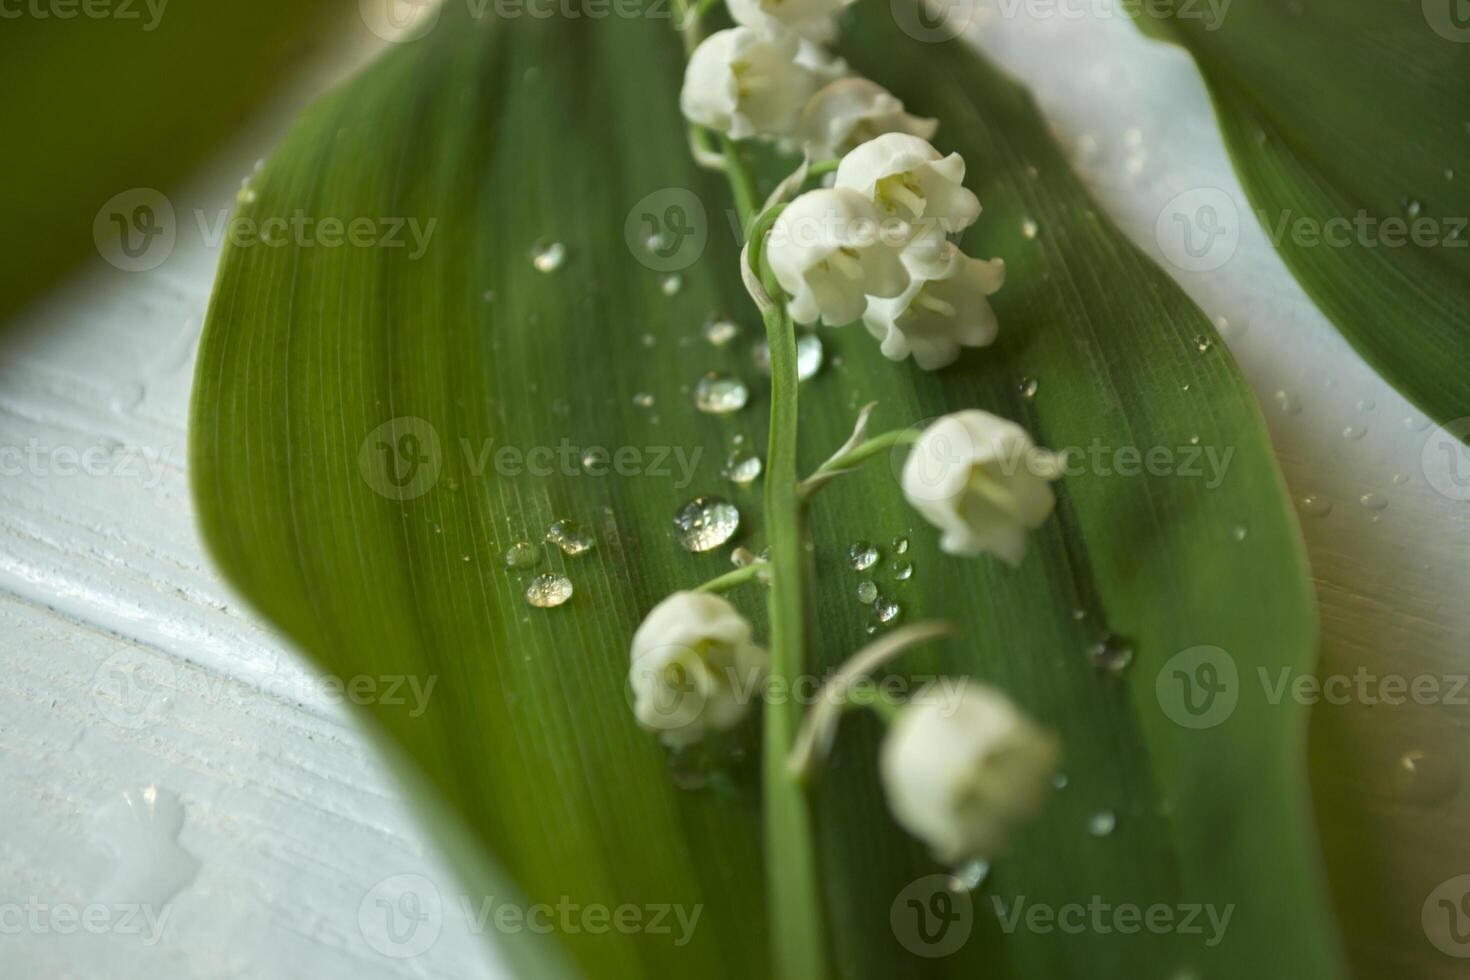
pixel 705 523
pixel 547 590
pixel 522 554
pixel 720 394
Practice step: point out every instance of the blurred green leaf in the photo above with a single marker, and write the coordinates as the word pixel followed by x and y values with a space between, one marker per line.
pixel 105 97
pixel 372 429
pixel 1347 124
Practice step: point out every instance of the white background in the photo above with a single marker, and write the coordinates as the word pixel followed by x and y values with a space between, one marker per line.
pixel 271 821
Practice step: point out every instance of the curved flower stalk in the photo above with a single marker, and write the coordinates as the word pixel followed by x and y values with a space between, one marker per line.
pixel 961 766
pixel 874 246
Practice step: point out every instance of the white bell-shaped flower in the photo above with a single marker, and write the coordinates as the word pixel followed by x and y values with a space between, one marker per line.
pixel 815 20
pixel 982 482
pixel 742 83
pixel 907 177
pixel 830 250
pixel 960 770
pixel 934 318
pixel 851 111
pixel 694 668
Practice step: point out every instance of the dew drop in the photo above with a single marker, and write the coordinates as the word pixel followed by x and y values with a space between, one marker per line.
pixel 140 833
pixel 1353 433
pixel 705 523
pixel 809 356
pixel 969 876
pixel 1425 779
pixel 571 537
pixel 862 556
pixel 719 331
pixel 1203 343
pixel 903 570
pixel 900 546
pixel 643 400
pixel 1399 479
pixel 670 284
pixel 1373 501
pixel 886 610
pixel 1416 423
pixel 720 394
pixel 867 592
pixel 522 554
pixel 548 256
pixel 1288 401
pixel 1315 506
pixel 1367 405
pixel 1112 653
pixel 740 557
pixel 1029 228
pixel 1102 823
pixel 1239 532
pixel 742 466
pixel 1028 388
pixel 547 590
pixel 1411 207
pixel 1059 781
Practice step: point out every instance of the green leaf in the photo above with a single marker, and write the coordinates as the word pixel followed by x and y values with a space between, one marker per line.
pixel 1347 125
pixel 104 98
pixel 464 360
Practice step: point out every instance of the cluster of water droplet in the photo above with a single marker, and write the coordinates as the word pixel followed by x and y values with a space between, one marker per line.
pixel 549 589
pixel 862 556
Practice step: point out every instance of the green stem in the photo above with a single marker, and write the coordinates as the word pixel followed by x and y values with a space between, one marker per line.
pixel 728 581
pixel 795 906
pixel 795 903
pixel 855 457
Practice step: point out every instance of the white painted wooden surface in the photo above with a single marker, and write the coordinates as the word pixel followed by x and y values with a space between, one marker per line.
pixel 125 663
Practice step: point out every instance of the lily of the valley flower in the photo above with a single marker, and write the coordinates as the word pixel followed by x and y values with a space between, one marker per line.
pixel 961 772
pixel 812 19
pixel 982 482
pixel 742 83
pixel 851 111
pixel 934 318
pixel 905 176
pixel 830 250
pixel 694 668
